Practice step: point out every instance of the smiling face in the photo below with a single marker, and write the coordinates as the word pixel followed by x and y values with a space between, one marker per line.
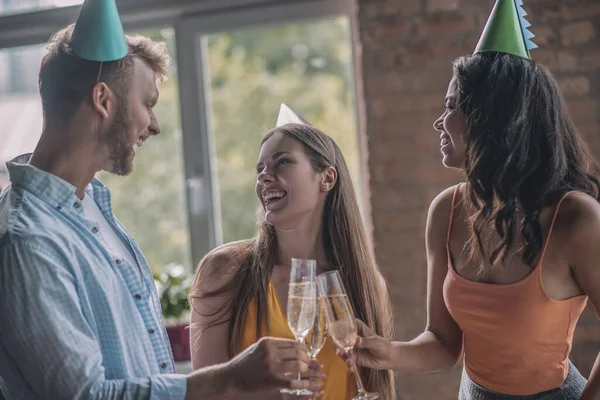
pixel 288 187
pixel 452 126
pixel 134 121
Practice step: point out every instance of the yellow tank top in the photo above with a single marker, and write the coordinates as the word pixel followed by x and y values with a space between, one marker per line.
pixel 338 376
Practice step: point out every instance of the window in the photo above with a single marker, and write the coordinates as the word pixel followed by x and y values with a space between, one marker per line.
pixel 308 66
pixel 237 65
pixel 20 6
pixel 20 104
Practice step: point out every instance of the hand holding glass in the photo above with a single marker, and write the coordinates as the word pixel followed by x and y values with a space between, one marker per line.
pixel 301 305
pixel 341 324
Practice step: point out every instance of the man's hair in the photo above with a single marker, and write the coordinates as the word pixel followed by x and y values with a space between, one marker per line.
pixel 66 80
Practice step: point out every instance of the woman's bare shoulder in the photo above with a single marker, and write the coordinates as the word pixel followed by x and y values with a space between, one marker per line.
pixel 440 208
pixel 578 214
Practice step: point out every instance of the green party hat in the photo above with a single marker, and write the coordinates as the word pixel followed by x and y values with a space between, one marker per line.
pixel 98 33
pixel 287 116
pixel 506 30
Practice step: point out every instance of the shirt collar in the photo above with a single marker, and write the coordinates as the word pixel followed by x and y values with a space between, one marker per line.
pixel 44 185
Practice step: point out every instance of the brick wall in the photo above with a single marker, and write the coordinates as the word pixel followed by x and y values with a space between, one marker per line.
pixel 405 50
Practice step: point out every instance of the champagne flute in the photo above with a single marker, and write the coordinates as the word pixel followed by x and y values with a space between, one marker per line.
pixel 301 305
pixel 341 324
pixel 318 332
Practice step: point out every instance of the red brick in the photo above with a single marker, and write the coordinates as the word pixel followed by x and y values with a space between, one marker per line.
pixel 434 6
pixel 385 106
pixel 574 85
pixel 409 271
pixel 408 221
pixel 575 11
pixel 382 60
pixel 449 50
pixel 426 102
pixel 543 35
pixel 384 83
pixel 577 33
pixel 590 60
pixel 407 128
pixel 389 30
pixel 391 8
pixel 444 25
pixel 405 239
pixel 398 197
pixel 413 268
pixel 421 146
pixel 583 110
pixel 392 174
pixel 415 258
pixel 545 57
pixel 409 82
pixel 591 131
pixel 547 14
pixel 566 61
pixel 413 57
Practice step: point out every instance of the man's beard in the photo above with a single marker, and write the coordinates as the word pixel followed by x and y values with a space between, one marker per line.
pixel 120 144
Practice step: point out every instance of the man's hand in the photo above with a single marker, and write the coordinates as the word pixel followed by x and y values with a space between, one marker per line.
pixel 272 364
pixel 371 350
pixel 268 365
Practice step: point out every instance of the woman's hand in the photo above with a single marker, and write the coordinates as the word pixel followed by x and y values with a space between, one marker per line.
pixel 371 350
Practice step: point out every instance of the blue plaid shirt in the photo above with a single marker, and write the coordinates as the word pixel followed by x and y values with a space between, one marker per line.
pixel 76 322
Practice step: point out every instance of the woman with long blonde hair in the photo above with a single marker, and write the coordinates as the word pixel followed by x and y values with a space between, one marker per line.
pixel 308 211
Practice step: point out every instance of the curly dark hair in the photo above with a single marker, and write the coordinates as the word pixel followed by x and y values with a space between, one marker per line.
pixel 523 150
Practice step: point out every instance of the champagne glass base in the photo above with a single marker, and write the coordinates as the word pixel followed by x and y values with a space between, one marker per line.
pixel 366 396
pixel 297 392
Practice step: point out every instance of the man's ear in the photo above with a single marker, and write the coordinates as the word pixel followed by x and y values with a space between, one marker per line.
pixel 102 99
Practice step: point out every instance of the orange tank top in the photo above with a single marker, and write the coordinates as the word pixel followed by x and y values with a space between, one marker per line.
pixel 517 340
pixel 338 382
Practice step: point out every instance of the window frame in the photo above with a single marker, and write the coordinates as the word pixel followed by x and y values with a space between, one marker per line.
pixel 191 20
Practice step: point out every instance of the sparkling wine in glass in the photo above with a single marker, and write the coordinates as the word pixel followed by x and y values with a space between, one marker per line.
pixel 341 324
pixel 318 332
pixel 315 340
pixel 301 305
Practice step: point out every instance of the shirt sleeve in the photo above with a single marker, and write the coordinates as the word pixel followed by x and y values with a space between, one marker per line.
pixel 48 338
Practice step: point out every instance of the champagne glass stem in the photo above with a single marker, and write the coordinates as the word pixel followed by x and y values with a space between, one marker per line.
pixel 359 384
pixel 298 391
pixel 316 394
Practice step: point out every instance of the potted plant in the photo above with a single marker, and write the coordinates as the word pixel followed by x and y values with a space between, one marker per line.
pixel 173 286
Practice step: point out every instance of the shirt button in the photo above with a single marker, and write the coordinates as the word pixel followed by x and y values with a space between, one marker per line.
pixel 151 331
pixel 119 261
pixel 163 365
pixel 138 297
pixel 77 205
pixel 94 230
